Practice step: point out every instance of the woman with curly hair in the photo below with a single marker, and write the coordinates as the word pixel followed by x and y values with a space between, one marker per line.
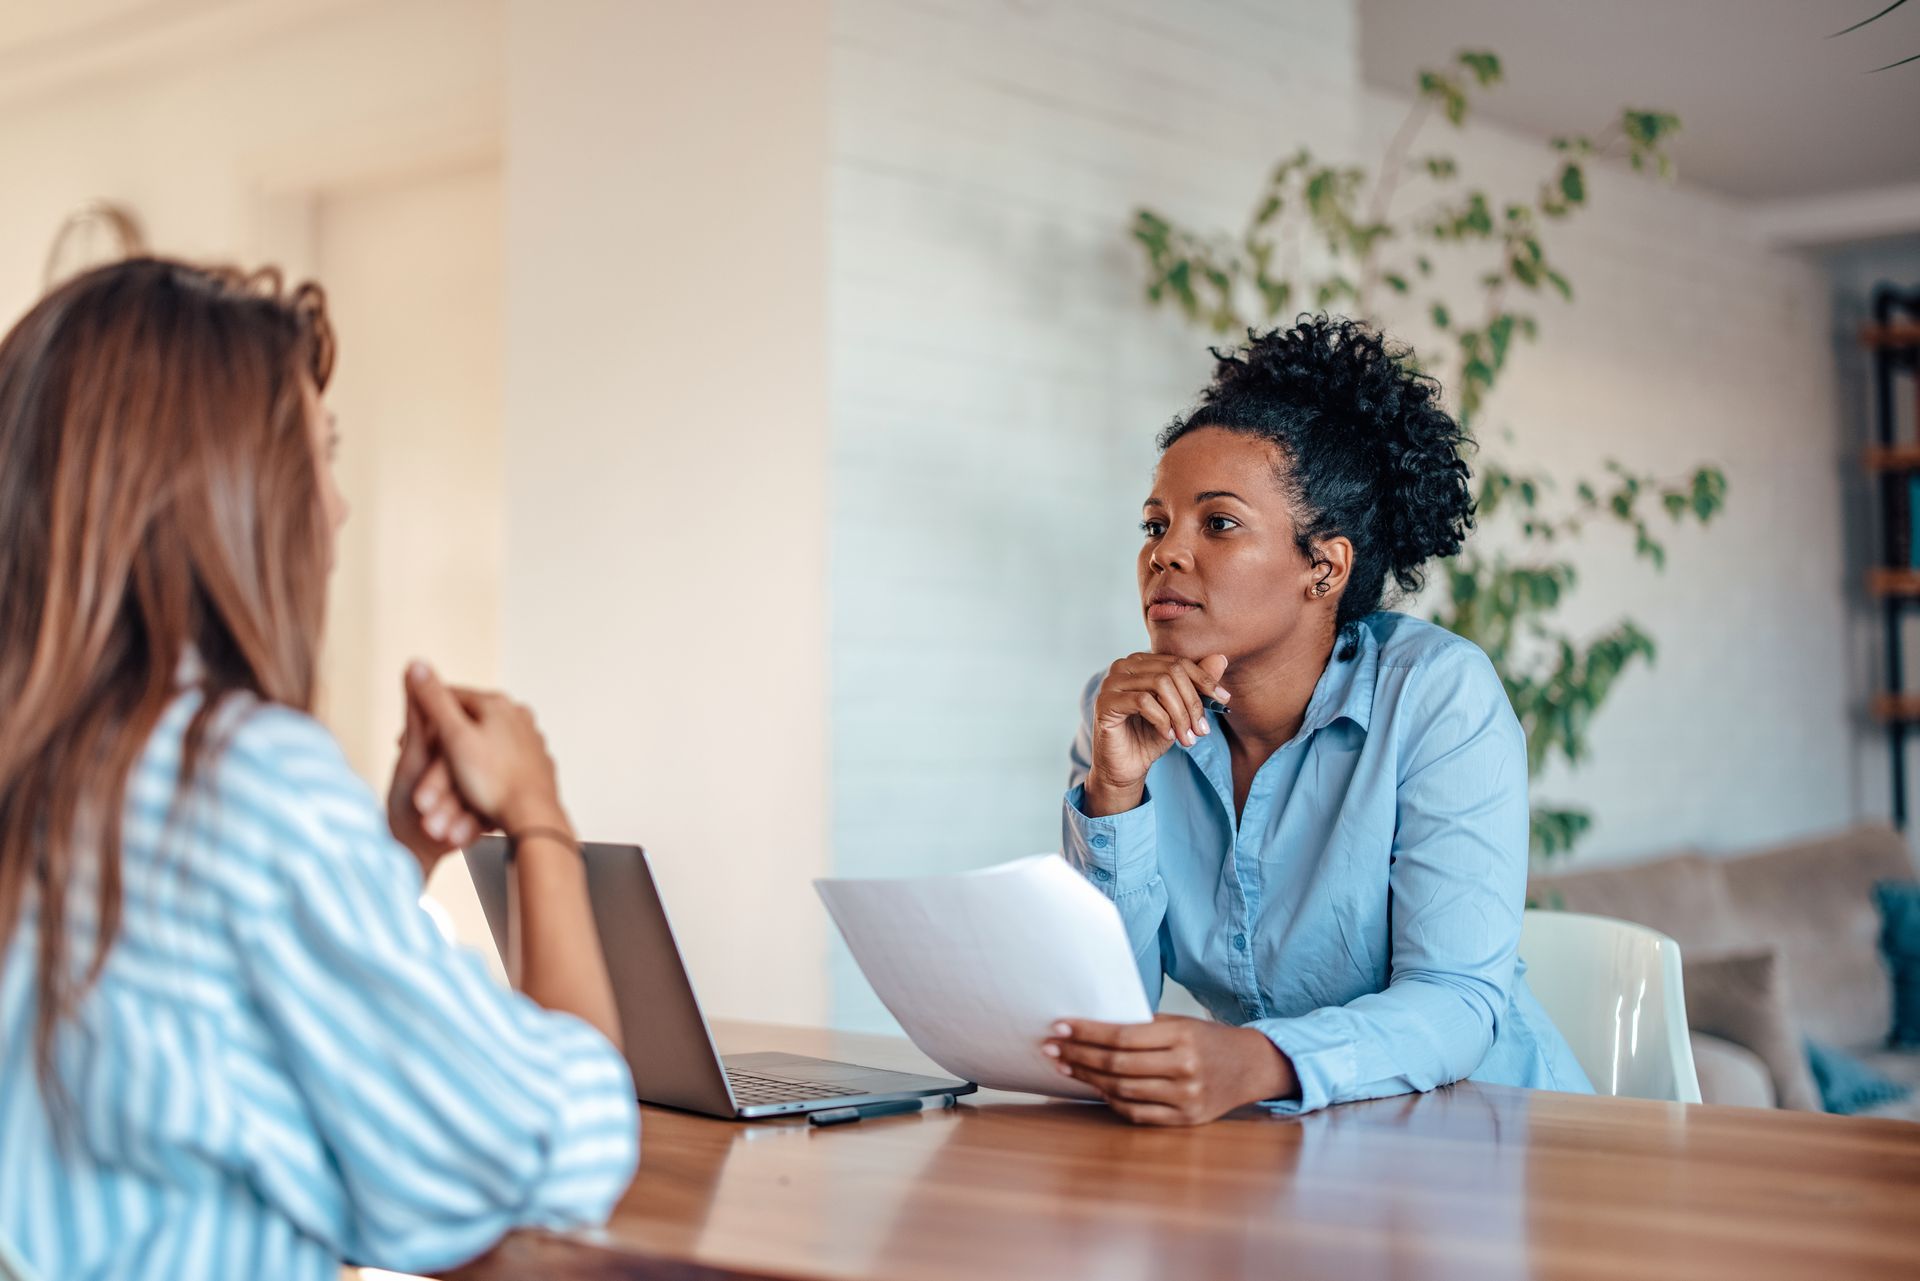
pixel 1310 811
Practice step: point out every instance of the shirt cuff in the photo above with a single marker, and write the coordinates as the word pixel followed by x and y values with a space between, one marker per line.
pixel 1322 1063
pixel 1117 852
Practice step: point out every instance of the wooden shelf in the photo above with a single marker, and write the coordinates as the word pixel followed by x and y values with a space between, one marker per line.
pixel 1893 458
pixel 1887 583
pixel 1903 335
pixel 1896 709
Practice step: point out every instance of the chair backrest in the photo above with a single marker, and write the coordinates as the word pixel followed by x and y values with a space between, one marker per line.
pixel 1614 990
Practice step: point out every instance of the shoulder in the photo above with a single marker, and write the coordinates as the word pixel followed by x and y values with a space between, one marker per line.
pixel 282 795
pixel 1404 642
pixel 1437 683
pixel 286 751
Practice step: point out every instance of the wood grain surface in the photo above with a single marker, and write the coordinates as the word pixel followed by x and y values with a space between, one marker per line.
pixel 1470 1181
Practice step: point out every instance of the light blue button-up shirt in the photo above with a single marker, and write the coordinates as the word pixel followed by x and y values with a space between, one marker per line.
pixel 1364 911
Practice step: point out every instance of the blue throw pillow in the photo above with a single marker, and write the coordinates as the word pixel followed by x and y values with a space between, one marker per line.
pixel 1899 903
pixel 1847 1085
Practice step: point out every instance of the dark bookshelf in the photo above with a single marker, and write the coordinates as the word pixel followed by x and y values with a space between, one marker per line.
pixel 1893 344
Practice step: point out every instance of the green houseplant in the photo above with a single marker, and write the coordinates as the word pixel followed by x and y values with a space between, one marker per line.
pixel 1471 268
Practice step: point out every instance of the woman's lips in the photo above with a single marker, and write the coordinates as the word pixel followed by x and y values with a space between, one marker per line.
pixel 1165 611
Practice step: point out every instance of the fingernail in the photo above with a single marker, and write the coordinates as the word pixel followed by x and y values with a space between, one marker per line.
pixel 416 670
pixel 1192 738
pixel 1063 1029
pixel 1063 1069
pixel 426 798
pixel 1051 1050
pixel 1206 727
pixel 436 826
pixel 1220 692
pixel 1169 733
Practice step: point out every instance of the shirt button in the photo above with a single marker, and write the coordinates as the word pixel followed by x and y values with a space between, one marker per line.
pixel 1100 841
pixel 1102 874
pixel 1239 942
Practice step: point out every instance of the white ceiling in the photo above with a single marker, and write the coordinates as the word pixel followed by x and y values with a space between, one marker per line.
pixel 1770 108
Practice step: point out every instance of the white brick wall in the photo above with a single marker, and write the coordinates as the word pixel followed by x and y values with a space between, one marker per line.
pixel 997 381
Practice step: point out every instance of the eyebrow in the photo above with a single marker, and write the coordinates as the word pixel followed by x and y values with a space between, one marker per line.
pixel 1201 497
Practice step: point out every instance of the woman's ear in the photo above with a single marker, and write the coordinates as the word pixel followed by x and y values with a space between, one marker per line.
pixel 1332 562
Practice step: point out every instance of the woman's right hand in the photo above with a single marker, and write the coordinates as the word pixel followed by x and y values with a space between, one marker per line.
pixel 494 751
pixel 1146 704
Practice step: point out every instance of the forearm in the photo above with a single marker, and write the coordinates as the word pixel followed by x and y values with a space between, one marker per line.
pixel 553 945
pixel 1421 1033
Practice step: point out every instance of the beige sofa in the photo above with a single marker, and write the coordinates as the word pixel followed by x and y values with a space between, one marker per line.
pixel 1812 902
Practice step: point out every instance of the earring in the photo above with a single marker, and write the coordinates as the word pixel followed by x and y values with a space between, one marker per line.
pixel 1320 588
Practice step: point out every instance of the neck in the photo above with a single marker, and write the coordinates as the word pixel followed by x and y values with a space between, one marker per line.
pixel 1271 691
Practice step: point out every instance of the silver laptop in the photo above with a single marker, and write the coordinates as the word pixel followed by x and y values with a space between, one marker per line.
pixel 669 1047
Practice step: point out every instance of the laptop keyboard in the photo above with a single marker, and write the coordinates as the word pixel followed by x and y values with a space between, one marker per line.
pixel 751 1087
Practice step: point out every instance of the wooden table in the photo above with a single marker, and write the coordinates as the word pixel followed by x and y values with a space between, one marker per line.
pixel 1470 1181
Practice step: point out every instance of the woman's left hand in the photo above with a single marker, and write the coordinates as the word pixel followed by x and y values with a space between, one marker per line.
pixel 424 808
pixel 1174 1070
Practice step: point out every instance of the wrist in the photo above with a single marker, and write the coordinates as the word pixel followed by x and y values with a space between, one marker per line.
pixel 427 856
pixel 1101 798
pixel 540 812
pixel 1271 1072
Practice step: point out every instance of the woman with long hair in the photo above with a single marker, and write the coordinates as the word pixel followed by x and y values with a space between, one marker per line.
pixel 1311 811
pixel 231 1043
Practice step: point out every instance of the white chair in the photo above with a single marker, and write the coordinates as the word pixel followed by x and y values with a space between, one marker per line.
pixel 1613 989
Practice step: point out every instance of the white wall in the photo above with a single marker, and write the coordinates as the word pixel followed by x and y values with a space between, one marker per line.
pixel 351 141
pixel 413 277
pixel 666 429
pixel 822 324
pixel 1689 341
pixel 209 139
pixel 998 380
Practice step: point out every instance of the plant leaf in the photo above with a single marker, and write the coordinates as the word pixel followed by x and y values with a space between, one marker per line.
pixel 1573 183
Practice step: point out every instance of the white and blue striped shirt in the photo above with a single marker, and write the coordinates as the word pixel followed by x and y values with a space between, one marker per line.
pixel 284 1065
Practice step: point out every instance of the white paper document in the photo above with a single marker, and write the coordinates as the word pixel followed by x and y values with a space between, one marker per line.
pixel 978 967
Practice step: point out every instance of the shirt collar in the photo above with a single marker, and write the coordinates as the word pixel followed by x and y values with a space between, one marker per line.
pixel 1345 689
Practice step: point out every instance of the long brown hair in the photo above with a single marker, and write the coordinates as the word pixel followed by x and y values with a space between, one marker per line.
pixel 159 496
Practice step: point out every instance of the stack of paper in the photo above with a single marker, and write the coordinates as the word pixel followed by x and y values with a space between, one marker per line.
pixel 978 967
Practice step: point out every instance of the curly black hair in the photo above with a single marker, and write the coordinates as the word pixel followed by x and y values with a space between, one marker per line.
pixel 1370 454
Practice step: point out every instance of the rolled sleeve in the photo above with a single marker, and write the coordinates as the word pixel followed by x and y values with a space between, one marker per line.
pixel 596 1133
pixel 450 1110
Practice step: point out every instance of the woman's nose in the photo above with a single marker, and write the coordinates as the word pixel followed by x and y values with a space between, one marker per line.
pixel 1172 555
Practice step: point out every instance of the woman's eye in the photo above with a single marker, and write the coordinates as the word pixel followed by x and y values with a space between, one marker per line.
pixel 1221 524
pixel 1153 528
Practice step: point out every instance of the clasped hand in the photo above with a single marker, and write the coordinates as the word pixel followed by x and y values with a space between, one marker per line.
pixel 470 761
pixel 1174 1070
